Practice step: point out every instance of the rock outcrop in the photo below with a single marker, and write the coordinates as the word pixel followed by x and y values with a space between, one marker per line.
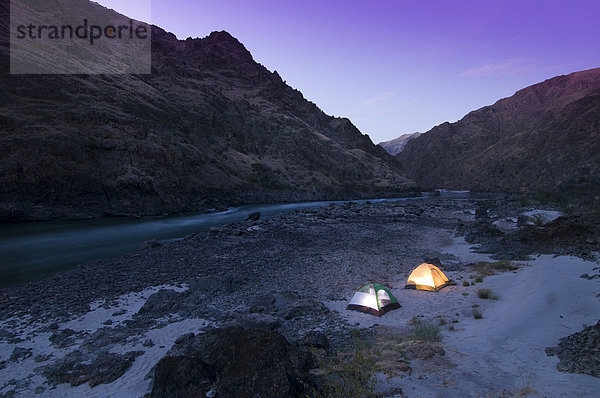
pixel 543 138
pixel 232 362
pixel 579 352
pixel 79 368
pixel 209 126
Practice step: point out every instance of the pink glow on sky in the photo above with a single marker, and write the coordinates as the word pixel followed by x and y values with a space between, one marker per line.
pixel 396 67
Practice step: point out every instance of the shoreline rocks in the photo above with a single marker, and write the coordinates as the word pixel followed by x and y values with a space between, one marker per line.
pixel 579 352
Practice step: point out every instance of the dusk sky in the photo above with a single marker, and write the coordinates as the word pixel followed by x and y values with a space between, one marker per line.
pixel 396 67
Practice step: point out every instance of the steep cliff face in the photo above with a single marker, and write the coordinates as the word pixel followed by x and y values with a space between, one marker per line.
pixel 209 126
pixel 543 137
pixel 397 145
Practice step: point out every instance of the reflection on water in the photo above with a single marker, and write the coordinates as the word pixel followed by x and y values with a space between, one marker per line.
pixel 30 251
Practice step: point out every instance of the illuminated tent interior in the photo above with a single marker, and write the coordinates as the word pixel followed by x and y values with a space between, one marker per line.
pixel 374 299
pixel 427 277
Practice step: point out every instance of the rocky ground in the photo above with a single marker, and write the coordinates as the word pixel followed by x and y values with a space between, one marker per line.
pixel 510 231
pixel 82 330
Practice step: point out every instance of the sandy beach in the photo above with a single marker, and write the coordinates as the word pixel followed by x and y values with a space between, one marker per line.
pixel 504 352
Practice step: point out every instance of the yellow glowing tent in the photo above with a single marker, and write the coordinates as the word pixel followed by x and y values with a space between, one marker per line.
pixel 427 277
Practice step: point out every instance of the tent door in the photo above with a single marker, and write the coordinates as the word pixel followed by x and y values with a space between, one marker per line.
pixel 383 298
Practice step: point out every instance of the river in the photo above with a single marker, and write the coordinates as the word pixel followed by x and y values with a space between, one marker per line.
pixel 34 250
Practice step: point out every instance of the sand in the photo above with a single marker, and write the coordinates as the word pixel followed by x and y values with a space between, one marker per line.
pixel 538 306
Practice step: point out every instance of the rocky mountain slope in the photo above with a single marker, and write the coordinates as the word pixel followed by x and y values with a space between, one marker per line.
pixel 543 138
pixel 209 127
pixel 397 145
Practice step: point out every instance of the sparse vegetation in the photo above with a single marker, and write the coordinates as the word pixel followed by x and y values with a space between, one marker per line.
pixel 477 313
pixel 538 220
pixel 485 293
pixel 526 390
pixel 426 332
pixel 466 283
pixel 346 374
pixel 486 268
pixel 352 373
pixel 524 201
pixel 479 279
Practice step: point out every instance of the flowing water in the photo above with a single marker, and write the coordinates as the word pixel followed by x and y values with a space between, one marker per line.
pixel 30 251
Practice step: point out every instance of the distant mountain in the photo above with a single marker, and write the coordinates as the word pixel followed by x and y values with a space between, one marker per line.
pixel 543 138
pixel 395 146
pixel 209 127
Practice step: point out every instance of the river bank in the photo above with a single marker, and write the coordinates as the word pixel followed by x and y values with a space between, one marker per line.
pixel 287 273
pixel 34 250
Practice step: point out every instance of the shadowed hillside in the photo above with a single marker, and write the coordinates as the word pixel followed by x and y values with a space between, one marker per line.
pixel 544 138
pixel 209 127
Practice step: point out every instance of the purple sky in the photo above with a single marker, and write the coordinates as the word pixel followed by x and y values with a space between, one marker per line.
pixel 395 67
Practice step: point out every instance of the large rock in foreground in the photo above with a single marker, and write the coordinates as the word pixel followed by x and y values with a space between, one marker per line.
pixel 232 362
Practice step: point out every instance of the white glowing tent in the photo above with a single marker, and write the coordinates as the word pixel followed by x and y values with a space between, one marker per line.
pixel 374 299
pixel 427 277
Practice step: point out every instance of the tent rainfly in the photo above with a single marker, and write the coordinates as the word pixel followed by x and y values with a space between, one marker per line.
pixel 374 299
pixel 427 277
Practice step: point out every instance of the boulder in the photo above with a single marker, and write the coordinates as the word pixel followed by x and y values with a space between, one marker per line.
pixel 316 339
pixel 183 338
pixel 291 305
pixel 259 321
pixel 20 353
pixel 253 216
pixel 77 368
pixel 262 303
pixel 64 338
pixel 233 362
pixel 150 244
pixel 434 261
pixel 204 284
pixel 231 282
pixel 481 213
pixel 579 352
pixel 164 302
pixel 567 227
pixel 148 343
